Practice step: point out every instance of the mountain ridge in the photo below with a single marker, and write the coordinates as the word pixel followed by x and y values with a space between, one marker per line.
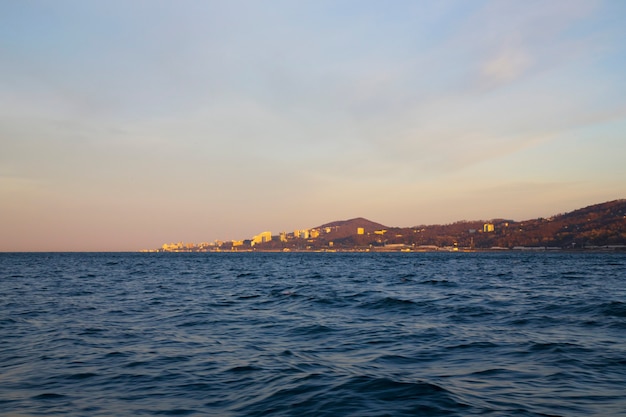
pixel 601 225
pixel 357 222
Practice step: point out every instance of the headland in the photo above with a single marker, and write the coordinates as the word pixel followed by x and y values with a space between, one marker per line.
pixel 600 227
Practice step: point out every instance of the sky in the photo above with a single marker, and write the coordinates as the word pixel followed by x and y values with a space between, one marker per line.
pixel 126 124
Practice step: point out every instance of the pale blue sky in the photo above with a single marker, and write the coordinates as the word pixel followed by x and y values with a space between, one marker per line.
pixel 128 124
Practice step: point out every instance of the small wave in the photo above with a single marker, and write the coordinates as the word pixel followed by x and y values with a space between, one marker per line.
pixel 221 303
pixel 490 372
pixel 49 396
pixel 572 275
pixel 90 331
pixel 620 325
pixel 172 359
pixel 193 323
pixel 407 277
pixel 408 398
pixel 560 376
pixel 357 395
pixel 614 309
pixel 197 386
pixel 441 282
pixel 396 360
pixel 324 300
pixel 248 297
pixel 244 368
pixel 330 299
pixel 81 375
pixel 388 389
pixel 175 412
pixel 387 303
pixel 136 364
pixel 312 330
pixel 116 354
pixel 79 293
pixel 474 345
pixel 557 347
pixel 467 313
pixel 521 322
pixel 285 293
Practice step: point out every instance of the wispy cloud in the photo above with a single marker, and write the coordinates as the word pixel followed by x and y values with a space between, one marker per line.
pixel 508 65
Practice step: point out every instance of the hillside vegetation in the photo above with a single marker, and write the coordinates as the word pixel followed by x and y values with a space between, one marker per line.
pixel 597 226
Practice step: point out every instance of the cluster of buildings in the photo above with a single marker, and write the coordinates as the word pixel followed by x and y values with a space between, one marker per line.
pixel 304 235
pixel 184 247
pixel 234 245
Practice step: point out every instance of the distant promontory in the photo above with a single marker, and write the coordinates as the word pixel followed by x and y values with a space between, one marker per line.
pixel 597 227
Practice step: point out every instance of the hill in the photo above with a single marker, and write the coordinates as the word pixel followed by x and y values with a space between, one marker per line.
pixel 600 226
pixel 597 225
pixel 344 228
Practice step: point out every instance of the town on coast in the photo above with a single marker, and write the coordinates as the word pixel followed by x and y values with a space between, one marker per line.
pixel 597 227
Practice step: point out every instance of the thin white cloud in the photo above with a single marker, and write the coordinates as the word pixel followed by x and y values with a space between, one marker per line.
pixel 507 65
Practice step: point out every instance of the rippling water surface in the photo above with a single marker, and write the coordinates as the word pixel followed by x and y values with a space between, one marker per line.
pixel 311 334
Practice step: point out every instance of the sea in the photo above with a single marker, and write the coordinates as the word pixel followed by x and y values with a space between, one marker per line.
pixel 313 334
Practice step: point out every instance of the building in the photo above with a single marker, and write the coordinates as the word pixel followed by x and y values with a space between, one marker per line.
pixel 173 247
pixel 261 238
pixel 488 227
pixel 360 231
pixel 302 234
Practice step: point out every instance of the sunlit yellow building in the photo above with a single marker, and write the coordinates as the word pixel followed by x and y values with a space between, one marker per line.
pixel 262 238
pixel 302 234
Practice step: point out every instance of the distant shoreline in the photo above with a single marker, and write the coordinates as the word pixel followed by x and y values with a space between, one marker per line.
pixel 612 249
pixel 600 227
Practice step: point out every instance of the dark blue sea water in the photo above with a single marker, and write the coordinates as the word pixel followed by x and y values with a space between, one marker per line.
pixel 312 334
